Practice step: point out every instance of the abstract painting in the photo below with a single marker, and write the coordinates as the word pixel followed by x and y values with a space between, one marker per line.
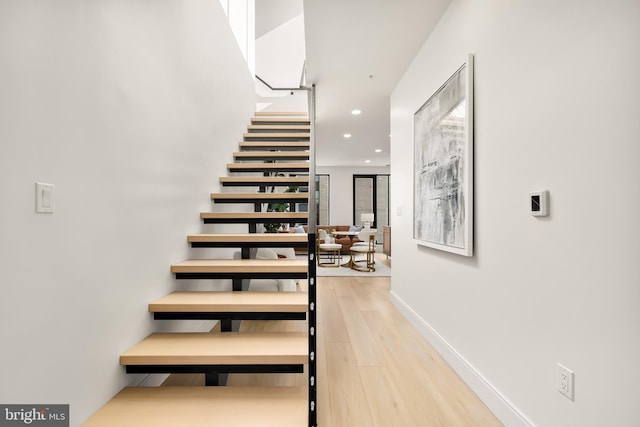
pixel 443 166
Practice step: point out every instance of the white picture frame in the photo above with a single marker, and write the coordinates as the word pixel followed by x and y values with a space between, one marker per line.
pixel 443 166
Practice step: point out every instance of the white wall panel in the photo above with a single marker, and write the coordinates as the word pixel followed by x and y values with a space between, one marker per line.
pixel 132 109
pixel 556 108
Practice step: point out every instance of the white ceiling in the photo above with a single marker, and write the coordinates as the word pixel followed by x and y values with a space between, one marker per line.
pixel 357 50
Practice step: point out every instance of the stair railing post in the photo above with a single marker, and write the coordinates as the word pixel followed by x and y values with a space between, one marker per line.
pixel 311 227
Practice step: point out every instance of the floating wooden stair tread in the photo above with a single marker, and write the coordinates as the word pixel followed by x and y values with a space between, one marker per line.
pixel 231 305
pixel 275 120
pixel 271 155
pixel 252 217
pixel 204 407
pixel 274 142
pixel 259 197
pixel 263 181
pixel 256 302
pixel 274 145
pixel 263 348
pixel 281 113
pixel 285 127
pixel 268 167
pixel 240 266
pixel 276 135
pixel 251 238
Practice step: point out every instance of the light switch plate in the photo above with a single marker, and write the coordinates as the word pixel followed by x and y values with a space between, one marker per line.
pixel 45 197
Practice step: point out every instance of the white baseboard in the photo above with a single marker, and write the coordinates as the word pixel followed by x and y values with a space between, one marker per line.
pixel 155 380
pixel 503 409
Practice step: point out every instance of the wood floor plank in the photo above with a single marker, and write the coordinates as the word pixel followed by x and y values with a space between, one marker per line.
pixel 330 316
pixel 388 406
pixel 323 386
pixel 364 346
pixel 349 404
pixel 413 385
pixel 433 391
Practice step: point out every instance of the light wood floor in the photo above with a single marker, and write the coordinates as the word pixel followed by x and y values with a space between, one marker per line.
pixel 374 369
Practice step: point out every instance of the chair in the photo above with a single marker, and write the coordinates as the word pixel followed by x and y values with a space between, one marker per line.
pixel 366 247
pixel 322 234
pixel 332 251
pixel 364 234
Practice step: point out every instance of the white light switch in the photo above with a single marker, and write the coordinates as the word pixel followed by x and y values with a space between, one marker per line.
pixel 45 197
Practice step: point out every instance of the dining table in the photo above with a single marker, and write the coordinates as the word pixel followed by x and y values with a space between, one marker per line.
pixel 351 235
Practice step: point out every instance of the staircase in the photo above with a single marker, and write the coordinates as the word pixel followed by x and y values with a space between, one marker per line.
pixel 274 153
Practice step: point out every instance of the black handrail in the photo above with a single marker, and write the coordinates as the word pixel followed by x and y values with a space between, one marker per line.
pixel 301 87
pixel 279 88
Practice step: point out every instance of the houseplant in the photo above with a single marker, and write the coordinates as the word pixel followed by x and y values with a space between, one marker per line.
pixel 278 207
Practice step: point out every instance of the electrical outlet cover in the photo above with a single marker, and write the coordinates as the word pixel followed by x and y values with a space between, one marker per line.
pixel 565 381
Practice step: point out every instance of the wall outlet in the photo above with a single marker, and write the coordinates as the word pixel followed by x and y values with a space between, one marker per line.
pixel 565 381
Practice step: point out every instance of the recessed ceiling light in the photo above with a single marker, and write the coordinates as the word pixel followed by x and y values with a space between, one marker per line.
pixel 347 135
pixel 378 150
pixel 356 112
pixel 367 161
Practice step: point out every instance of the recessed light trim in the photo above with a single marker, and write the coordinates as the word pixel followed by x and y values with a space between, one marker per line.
pixel 356 112
pixel 347 135
pixel 367 161
pixel 378 150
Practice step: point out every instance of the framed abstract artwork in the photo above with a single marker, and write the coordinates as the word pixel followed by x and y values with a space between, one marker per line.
pixel 443 166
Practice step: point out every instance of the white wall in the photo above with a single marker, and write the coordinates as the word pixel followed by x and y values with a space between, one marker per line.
pixel 341 190
pixel 271 14
pixel 241 15
pixel 132 109
pixel 280 54
pixel 557 107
